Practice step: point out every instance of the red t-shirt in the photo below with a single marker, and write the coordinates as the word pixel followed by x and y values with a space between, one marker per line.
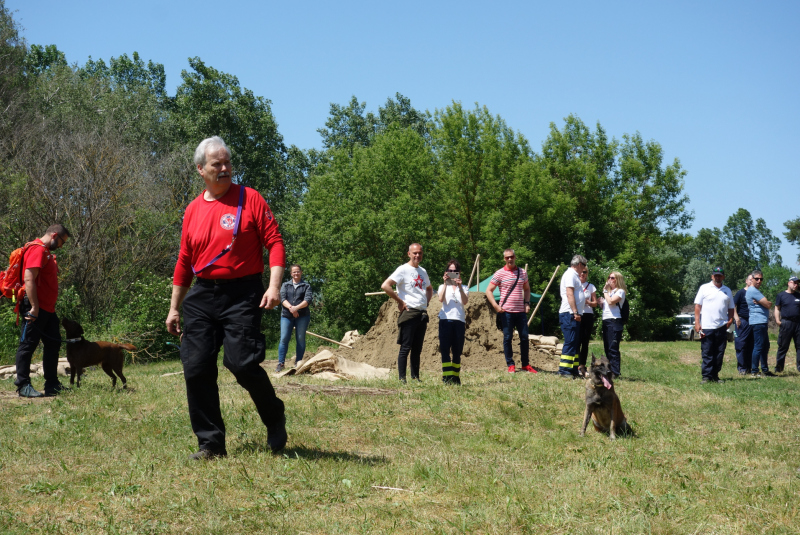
pixel 39 256
pixel 208 229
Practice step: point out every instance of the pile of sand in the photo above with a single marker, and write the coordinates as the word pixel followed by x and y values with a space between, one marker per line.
pixel 483 344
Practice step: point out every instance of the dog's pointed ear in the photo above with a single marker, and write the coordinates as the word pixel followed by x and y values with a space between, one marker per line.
pixel 605 361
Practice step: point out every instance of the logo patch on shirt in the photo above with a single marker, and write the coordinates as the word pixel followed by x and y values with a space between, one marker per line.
pixel 419 282
pixel 227 221
pixel 268 214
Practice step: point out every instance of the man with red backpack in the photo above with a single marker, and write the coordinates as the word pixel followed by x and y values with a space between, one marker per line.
pixel 38 312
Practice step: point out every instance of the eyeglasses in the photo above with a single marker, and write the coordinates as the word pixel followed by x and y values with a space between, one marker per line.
pixel 612 277
pixel 452 271
pixel 509 257
pixel 758 278
pixel 584 272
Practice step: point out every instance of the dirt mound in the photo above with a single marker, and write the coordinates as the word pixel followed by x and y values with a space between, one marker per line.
pixel 483 344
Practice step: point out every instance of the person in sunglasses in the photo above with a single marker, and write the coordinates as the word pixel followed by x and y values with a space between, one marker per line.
pixel 614 294
pixel 513 309
pixel 759 319
pixel 453 296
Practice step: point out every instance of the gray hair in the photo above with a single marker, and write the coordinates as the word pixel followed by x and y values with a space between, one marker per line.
pixel 578 259
pixel 756 272
pixel 210 143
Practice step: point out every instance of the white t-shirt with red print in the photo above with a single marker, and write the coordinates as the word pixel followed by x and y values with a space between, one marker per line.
pixel 411 284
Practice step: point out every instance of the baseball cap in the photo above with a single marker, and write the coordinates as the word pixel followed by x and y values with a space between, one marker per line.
pixel 794 279
pixel 718 271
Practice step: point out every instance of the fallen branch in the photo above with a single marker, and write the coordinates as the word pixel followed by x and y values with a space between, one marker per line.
pixel 329 340
pixel 375 293
pixel 173 373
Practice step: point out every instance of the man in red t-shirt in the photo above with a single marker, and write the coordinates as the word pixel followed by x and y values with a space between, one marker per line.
pixel 38 311
pixel 225 230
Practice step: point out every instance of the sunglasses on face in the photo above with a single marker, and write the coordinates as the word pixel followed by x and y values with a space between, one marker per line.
pixel 758 278
pixel 584 272
pixel 452 271
pixel 508 257
pixel 612 278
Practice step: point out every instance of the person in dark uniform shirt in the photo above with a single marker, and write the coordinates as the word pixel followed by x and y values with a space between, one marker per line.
pixel 744 333
pixel 787 316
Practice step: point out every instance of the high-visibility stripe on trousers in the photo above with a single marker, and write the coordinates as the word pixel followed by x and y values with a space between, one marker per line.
pixel 451 369
pixel 567 364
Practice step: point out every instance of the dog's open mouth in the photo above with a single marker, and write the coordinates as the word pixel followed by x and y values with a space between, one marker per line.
pixel 605 382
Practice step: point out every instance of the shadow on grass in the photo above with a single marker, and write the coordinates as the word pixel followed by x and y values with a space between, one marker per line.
pixel 312 454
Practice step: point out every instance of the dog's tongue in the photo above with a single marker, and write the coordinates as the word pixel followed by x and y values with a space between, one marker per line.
pixel 605 382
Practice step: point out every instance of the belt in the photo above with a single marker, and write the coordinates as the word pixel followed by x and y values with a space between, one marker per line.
pixel 217 282
pixel 794 319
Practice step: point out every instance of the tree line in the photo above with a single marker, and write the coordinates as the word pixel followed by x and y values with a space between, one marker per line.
pixel 102 148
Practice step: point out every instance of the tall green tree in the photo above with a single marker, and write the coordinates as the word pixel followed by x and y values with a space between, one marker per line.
pixel 210 102
pixel 362 211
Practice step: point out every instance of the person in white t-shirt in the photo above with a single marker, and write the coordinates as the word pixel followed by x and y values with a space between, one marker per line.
pixel 570 315
pixel 614 294
pixel 713 314
pixel 453 296
pixel 587 319
pixel 413 294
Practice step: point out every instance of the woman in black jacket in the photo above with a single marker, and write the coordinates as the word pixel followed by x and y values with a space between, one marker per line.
pixel 295 297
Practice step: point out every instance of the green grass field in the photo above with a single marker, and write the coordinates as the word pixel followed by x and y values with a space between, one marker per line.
pixel 501 454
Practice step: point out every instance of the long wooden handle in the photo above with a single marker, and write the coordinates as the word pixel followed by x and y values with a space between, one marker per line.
pixel 375 293
pixel 329 340
pixel 543 294
pixel 474 265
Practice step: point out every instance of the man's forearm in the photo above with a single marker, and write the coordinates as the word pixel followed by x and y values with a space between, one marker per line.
pixel 275 278
pixel 178 294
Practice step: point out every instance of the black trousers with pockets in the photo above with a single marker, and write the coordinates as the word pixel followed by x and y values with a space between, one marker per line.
pixel 224 316
pixel 46 330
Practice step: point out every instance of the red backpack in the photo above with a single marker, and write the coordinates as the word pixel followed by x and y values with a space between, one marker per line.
pixel 12 284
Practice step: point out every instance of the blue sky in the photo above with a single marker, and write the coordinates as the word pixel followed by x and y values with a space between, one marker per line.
pixel 715 83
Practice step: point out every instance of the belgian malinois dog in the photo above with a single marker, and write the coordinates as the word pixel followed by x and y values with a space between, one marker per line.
pixel 602 403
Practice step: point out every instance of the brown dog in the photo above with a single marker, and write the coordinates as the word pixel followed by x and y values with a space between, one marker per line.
pixel 82 353
pixel 602 403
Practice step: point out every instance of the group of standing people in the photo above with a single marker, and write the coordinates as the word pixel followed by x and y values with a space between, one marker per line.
pixel 576 316
pixel 225 232
pixel 716 308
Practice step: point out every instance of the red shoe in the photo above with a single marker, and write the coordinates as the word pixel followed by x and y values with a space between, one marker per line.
pixel 512 369
pixel 529 368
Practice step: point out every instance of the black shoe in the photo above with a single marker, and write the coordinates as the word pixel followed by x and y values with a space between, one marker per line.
pixel 718 380
pixel 207 455
pixel 706 380
pixel 55 390
pixel 457 380
pixel 27 391
pixel 276 435
pixel 403 380
pixel 778 371
pixel 768 374
pixel 742 372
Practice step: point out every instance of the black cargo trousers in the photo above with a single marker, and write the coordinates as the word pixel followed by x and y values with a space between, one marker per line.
pixel 224 314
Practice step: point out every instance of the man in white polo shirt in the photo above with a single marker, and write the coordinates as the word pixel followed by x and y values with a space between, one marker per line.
pixel 715 301
pixel 413 294
pixel 570 315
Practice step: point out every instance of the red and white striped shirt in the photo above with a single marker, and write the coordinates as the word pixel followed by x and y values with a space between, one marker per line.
pixel 504 280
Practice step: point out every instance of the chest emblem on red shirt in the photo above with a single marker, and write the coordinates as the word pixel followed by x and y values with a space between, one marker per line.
pixel 227 221
pixel 419 282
